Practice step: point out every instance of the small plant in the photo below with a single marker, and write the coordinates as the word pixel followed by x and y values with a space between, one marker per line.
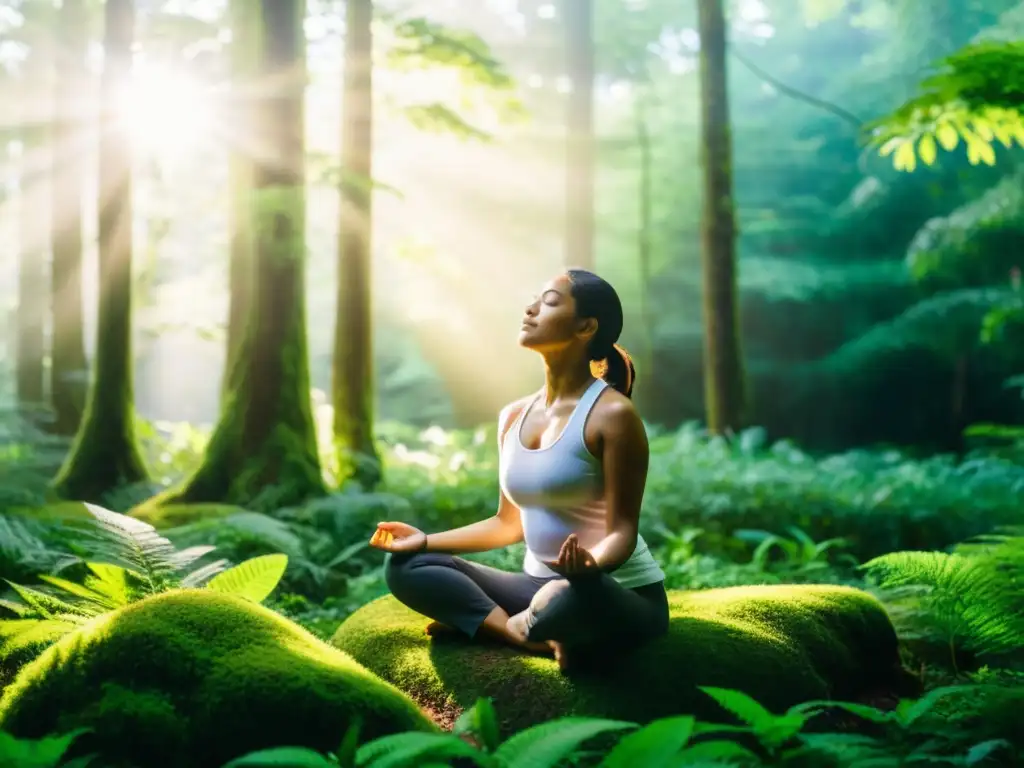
pixel 799 552
pixel 967 600
pixel 128 561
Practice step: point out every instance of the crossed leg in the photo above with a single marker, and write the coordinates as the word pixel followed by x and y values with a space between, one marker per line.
pixel 463 596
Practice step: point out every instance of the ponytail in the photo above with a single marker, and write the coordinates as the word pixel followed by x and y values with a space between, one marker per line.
pixel 617 369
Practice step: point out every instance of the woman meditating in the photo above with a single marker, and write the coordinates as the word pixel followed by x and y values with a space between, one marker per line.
pixel 573 465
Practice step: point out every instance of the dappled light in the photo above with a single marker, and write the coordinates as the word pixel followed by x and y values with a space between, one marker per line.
pixel 513 383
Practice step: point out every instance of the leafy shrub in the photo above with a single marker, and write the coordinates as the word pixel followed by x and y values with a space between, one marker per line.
pixel 915 731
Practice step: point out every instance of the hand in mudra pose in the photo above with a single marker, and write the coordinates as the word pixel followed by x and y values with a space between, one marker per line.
pixel 573 559
pixel 398 537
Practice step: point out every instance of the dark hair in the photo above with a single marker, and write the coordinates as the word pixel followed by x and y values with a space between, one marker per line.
pixel 595 298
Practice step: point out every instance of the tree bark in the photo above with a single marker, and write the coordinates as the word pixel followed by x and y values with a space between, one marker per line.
pixel 68 367
pixel 579 240
pixel 353 380
pixel 724 386
pixel 263 451
pixel 105 454
pixel 244 44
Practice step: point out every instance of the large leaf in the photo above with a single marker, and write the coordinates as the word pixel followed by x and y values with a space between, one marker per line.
pixel 254 579
pixel 546 744
pixel 744 707
pixel 415 749
pixel 282 757
pixel 654 746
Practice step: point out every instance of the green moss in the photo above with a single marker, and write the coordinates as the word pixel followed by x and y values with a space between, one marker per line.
pixel 780 644
pixel 194 678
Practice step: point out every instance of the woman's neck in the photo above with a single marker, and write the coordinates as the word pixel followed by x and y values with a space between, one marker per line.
pixel 565 376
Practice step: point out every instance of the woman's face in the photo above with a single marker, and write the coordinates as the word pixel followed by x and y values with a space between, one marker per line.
pixel 550 322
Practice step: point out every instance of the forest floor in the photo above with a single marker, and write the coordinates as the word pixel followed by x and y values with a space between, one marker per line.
pixel 716 515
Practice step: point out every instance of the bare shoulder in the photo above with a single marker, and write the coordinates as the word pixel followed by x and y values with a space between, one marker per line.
pixel 617 417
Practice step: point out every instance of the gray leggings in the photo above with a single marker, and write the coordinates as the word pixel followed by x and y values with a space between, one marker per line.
pixel 592 610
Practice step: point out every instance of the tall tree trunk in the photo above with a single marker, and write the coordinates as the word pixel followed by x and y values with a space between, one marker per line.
pixel 68 366
pixel 32 262
pixel 353 332
pixel 644 248
pixel 244 45
pixel 106 453
pixel 579 192
pixel 724 386
pixel 263 451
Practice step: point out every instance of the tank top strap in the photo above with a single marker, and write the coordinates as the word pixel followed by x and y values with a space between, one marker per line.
pixel 584 407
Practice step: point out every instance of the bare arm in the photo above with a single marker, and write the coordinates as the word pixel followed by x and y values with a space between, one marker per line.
pixel 625 456
pixel 502 530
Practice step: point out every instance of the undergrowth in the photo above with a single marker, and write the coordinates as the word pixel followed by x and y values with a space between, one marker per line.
pixel 939 540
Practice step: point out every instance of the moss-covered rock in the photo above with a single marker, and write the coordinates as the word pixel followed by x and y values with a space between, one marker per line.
pixel 780 644
pixel 193 678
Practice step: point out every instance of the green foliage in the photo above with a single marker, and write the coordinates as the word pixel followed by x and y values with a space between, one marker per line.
pixel 254 579
pixel 961 599
pixel 208 677
pixel 28 459
pixel 878 501
pixel 977 244
pixel 948 324
pixel 127 561
pixel 47 752
pixel 908 734
pixel 975 98
pixel 421 45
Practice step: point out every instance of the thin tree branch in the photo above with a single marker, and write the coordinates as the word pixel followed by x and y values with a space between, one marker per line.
pixel 788 90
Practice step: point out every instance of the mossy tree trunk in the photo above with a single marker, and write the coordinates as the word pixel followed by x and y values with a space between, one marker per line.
pixel 263 451
pixel 244 45
pixel 353 380
pixel 105 454
pixel 724 386
pixel 68 367
pixel 579 154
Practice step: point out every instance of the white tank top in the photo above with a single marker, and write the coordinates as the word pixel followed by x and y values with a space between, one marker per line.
pixel 560 490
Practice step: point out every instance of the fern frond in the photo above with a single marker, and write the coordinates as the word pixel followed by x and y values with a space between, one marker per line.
pixel 18 609
pixel 19 634
pixel 187 557
pixel 110 581
pixel 200 576
pixel 133 545
pixel 83 592
pixel 47 606
pixel 962 596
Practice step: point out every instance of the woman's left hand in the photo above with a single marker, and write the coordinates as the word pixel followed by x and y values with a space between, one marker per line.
pixel 573 559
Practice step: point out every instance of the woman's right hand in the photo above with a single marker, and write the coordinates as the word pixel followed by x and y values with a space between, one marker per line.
pixel 398 537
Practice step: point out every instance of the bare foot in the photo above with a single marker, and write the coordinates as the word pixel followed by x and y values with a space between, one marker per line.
pixel 517 629
pixel 437 629
pixel 544 649
pixel 560 655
